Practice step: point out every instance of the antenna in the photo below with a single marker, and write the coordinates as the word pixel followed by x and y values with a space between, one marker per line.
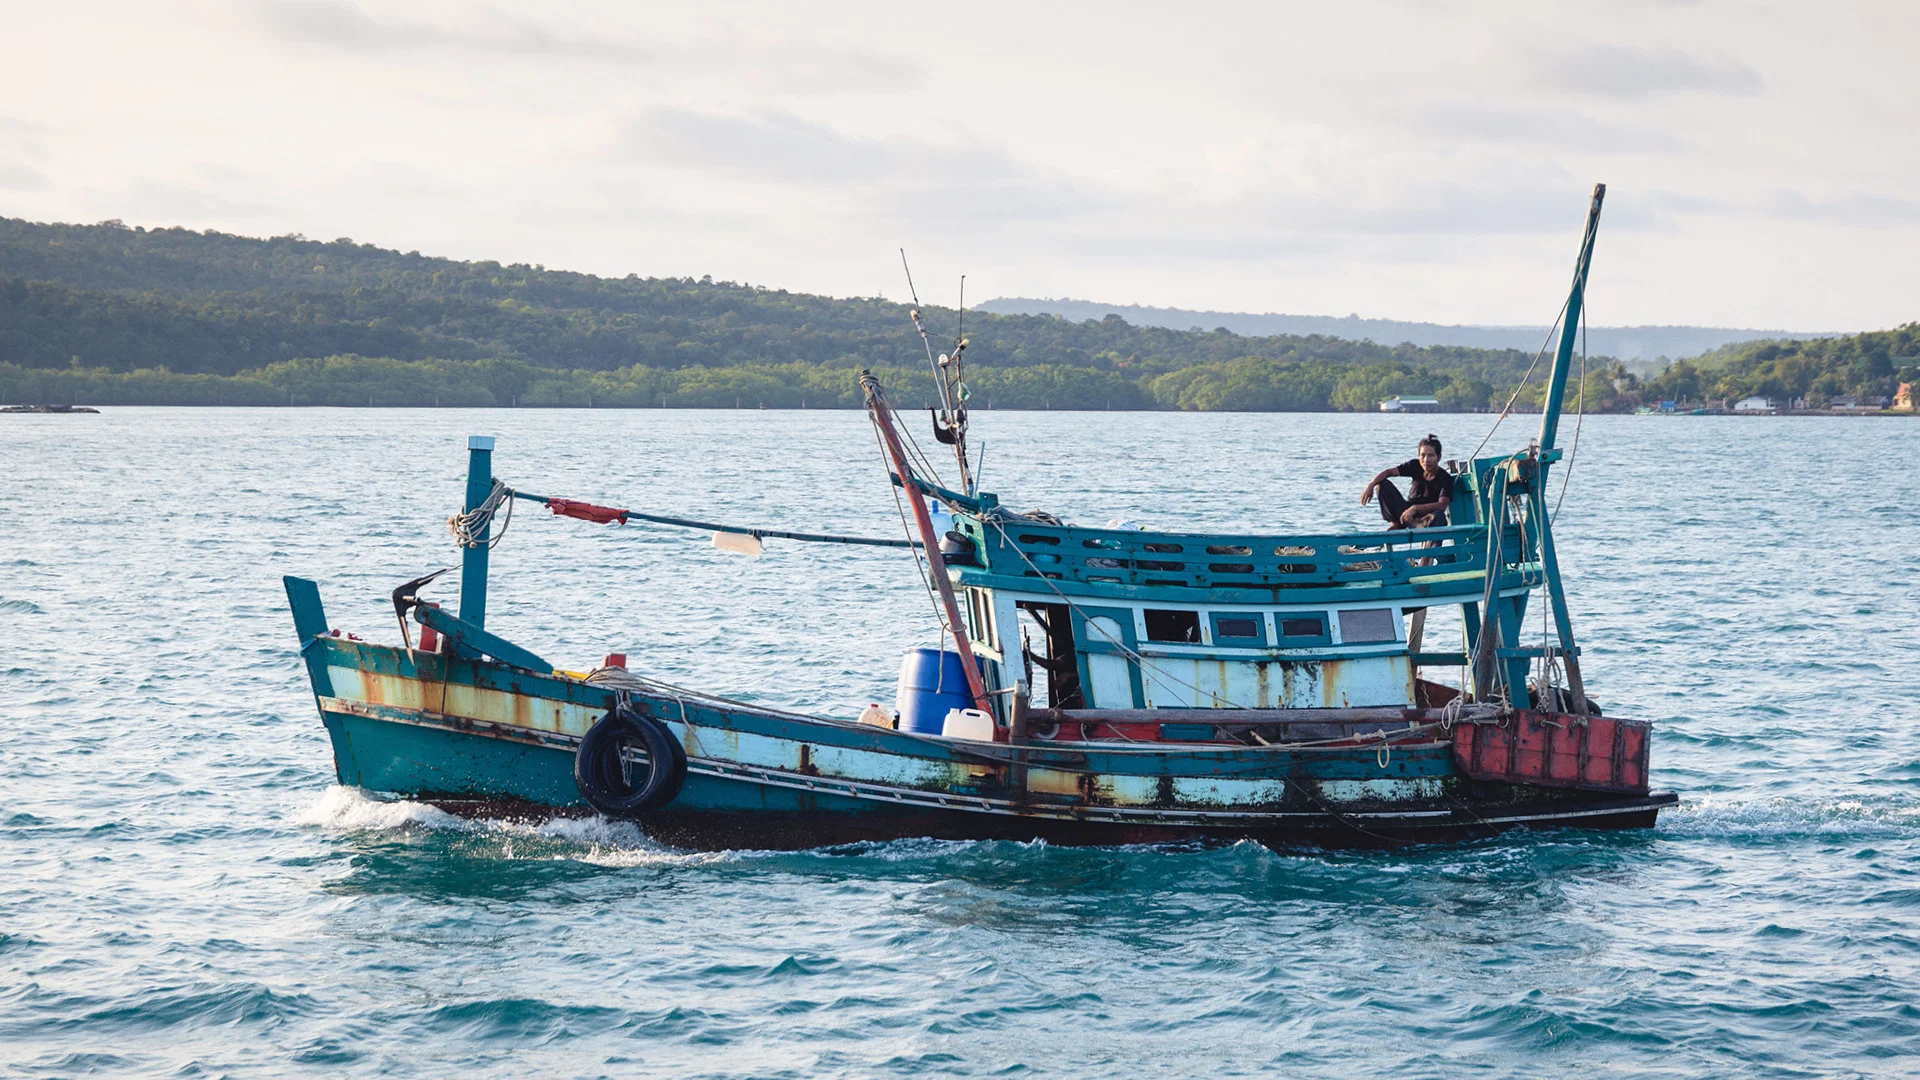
pixel 949 422
pixel 910 289
pixel 932 364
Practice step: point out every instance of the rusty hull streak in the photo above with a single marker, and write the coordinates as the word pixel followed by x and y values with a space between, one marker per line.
pixel 460 700
pixel 1069 787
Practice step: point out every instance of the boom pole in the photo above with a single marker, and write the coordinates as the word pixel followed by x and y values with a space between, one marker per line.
pixel 1570 327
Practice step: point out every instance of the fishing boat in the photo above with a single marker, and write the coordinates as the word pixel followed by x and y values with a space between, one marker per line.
pixel 1091 685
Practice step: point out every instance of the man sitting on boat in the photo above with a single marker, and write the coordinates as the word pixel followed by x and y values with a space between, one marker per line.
pixel 1425 504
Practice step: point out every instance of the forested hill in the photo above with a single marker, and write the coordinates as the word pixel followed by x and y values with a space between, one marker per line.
pixel 209 302
pixel 1644 343
pixel 106 314
pixel 1867 367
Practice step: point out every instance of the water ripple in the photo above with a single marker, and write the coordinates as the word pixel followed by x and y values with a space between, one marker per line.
pixel 184 891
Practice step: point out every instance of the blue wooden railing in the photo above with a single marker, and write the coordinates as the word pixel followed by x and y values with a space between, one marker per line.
pixel 1190 561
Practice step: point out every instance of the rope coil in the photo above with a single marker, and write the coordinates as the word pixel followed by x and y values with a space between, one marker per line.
pixel 468 529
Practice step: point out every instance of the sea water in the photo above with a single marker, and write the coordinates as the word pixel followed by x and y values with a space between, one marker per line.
pixel 185 892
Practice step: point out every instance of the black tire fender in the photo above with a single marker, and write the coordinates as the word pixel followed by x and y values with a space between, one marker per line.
pixel 603 781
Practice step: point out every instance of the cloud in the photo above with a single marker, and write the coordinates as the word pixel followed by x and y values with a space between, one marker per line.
pixel 1852 208
pixel 202 201
pixel 1626 71
pixel 345 26
pixel 896 175
pixel 759 59
pixel 774 146
pixel 1524 126
pixel 17 177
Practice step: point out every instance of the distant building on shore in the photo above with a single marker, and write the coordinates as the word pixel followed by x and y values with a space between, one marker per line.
pixel 1411 403
pixel 1903 397
pixel 1754 406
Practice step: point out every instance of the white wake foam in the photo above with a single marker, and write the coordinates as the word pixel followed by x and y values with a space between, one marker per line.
pixel 595 840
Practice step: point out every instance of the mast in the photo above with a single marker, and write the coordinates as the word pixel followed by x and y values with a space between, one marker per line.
pixel 1567 652
pixel 473 557
pixel 936 562
pixel 1570 327
pixel 950 420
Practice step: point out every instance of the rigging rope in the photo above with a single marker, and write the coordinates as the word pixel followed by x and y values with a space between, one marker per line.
pixel 468 528
pixel 1145 664
pixel 625 680
pixel 1579 418
pixel 919 565
pixel 1524 379
pixel 620 515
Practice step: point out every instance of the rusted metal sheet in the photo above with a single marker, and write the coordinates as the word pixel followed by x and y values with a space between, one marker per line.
pixel 1589 753
pixel 463 700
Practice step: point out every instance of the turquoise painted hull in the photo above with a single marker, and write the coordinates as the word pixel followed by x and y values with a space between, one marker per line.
pixel 483 738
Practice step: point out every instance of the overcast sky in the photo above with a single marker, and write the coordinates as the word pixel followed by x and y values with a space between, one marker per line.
pixel 1424 161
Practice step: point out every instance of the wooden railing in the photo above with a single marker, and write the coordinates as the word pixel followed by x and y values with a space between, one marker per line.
pixel 1180 560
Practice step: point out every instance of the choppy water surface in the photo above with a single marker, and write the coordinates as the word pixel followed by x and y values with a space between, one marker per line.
pixel 183 892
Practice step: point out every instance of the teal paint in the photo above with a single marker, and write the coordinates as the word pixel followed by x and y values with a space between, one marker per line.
pixel 466 634
pixel 1557 602
pixel 1570 327
pixel 1088 643
pixel 422 761
pixel 463 671
pixel 310 625
pixel 1236 620
pixel 1319 639
pixel 1170 566
pixel 1466 584
pixel 309 615
pixel 473 560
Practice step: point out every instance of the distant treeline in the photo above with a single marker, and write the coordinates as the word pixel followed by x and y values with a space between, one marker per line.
pixel 119 315
pixel 1247 384
pixel 1861 366
pixel 105 314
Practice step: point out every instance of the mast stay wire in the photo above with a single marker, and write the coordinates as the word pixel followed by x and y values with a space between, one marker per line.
pixel 919 565
pixel 1146 665
pixel 925 343
pixel 1524 379
pixel 1579 418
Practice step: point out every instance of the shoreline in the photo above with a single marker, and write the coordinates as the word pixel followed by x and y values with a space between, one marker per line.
pixel 90 408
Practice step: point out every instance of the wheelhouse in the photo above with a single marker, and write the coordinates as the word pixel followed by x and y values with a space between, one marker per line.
pixel 1113 619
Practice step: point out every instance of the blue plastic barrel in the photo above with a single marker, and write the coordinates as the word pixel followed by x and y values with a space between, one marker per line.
pixel 932 681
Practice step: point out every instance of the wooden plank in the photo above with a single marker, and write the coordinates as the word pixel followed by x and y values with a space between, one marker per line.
pixel 1256 717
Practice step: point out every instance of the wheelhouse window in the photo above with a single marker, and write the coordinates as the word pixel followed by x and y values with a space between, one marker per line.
pixel 1245 629
pixel 1302 629
pixel 1182 627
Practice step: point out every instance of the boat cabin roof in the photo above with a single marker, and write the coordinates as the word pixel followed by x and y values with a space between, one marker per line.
pixel 1012 552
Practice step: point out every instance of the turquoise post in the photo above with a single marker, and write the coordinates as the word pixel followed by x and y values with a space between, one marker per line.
pixel 1557 598
pixel 1549 428
pixel 473 560
pixel 1569 329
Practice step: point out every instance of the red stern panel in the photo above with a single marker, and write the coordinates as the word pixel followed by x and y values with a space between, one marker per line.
pixel 1592 753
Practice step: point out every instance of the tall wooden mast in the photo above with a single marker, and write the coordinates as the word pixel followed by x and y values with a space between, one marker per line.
pixel 883 419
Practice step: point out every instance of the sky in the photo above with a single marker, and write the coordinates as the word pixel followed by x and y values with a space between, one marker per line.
pixel 1425 161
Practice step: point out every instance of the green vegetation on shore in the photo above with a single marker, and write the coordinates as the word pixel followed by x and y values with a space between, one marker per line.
pixel 105 314
pixel 1861 366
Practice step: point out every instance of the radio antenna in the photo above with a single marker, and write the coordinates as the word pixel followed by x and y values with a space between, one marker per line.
pixel 949 421
pixel 909 270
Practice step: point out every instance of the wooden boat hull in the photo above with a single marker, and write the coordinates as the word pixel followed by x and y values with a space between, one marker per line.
pixel 483 738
